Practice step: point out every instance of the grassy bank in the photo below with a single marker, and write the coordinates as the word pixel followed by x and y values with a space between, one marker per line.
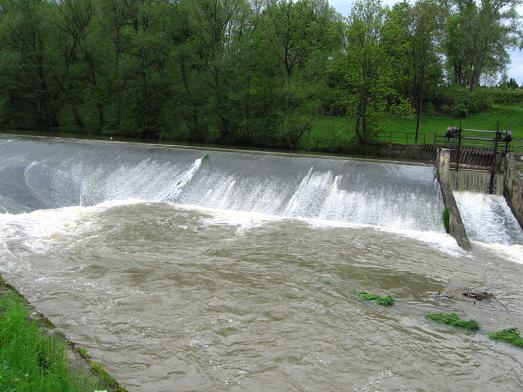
pixel 32 358
pixel 336 134
pixel 328 132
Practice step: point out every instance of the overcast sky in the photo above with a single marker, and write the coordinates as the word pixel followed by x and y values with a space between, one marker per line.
pixel 515 69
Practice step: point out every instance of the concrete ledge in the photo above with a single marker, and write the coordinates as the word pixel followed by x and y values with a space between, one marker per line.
pixel 514 185
pixel 456 226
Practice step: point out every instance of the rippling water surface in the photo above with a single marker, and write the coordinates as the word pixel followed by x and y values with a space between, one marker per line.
pixel 178 297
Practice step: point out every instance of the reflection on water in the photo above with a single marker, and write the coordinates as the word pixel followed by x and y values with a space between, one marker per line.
pixel 171 298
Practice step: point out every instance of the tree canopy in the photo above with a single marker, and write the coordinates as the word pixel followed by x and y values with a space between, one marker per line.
pixel 252 72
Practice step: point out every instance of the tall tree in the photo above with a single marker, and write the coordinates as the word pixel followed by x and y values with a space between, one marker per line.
pixel 479 36
pixel 301 35
pixel 369 71
pixel 26 93
pixel 427 24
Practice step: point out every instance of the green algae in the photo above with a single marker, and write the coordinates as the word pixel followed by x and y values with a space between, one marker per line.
pixel 511 336
pixel 454 320
pixel 387 300
pixel 446 220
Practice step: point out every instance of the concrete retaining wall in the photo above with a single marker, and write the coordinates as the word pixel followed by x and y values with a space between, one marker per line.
pixel 403 151
pixel 514 185
pixel 456 226
pixel 477 181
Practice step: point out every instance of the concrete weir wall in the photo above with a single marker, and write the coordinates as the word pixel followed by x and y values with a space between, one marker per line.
pixel 456 226
pixel 477 181
pixel 514 185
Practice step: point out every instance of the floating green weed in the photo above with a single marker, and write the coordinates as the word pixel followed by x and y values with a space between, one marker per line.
pixel 387 300
pixel 454 320
pixel 511 336
pixel 446 219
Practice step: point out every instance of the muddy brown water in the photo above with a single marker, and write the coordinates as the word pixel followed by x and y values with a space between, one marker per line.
pixel 180 297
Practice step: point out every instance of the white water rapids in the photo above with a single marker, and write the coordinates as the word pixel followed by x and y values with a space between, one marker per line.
pixel 187 270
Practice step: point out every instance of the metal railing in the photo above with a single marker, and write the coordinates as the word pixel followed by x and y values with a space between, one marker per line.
pixel 399 137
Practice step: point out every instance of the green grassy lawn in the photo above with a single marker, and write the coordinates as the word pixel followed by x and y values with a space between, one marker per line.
pixel 337 132
pixel 31 360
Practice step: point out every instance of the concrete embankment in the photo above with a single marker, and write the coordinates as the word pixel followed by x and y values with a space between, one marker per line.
pixel 72 368
pixel 476 181
pixel 514 185
pixel 456 226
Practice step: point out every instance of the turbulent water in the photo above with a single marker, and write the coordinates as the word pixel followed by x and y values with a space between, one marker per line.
pixel 185 270
pixel 488 218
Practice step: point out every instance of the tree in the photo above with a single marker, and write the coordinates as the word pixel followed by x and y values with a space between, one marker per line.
pixel 427 23
pixel 301 35
pixel 75 24
pixel 26 93
pixel 478 39
pixel 369 70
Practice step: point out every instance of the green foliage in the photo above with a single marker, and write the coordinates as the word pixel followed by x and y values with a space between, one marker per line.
pixel 387 300
pixel 247 72
pixel 446 220
pixel 511 336
pixel 461 102
pixel 29 359
pixel 453 320
pixel 478 36
pixel 330 133
pixel 507 96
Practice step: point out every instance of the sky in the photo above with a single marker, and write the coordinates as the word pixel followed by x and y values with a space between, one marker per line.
pixel 515 68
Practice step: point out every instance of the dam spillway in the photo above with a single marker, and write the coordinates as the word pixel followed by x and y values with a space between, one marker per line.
pixel 488 218
pixel 134 252
pixel 49 174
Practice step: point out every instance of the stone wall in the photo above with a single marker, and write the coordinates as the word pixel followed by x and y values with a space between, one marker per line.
pixel 415 152
pixel 514 185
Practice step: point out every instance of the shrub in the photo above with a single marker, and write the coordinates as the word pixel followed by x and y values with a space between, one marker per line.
pixel 460 101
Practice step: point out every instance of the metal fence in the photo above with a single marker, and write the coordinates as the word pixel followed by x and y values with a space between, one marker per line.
pixel 398 137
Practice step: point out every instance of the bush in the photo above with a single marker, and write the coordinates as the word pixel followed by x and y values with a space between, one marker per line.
pixel 460 101
pixel 507 96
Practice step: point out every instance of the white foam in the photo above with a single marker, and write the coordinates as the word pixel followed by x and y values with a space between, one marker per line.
pixel 488 219
pixel 511 252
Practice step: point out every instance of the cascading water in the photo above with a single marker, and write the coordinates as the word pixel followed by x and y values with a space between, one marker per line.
pixel 488 219
pixel 39 174
pixel 182 272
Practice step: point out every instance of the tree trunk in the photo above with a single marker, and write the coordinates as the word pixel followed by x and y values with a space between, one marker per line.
pixel 419 106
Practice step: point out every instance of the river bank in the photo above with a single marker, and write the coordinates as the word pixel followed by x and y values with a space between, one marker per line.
pixel 35 356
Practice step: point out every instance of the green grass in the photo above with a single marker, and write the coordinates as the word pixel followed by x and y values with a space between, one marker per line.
pixel 446 219
pixel 511 336
pixel 454 320
pixel 337 133
pixel 387 300
pixel 30 360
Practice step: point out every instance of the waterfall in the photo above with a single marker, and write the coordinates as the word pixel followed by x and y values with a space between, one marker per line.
pixel 40 174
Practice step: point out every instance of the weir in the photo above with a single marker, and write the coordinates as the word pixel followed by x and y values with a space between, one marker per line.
pixel 40 174
pixel 475 213
pixel 49 173
pixel 168 294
